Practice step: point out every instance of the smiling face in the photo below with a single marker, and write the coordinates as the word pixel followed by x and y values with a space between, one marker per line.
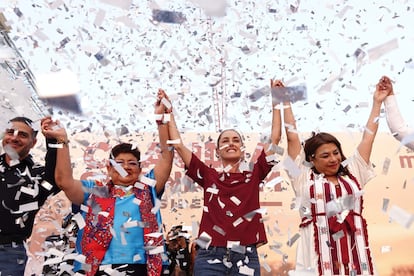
pixel 130 164
pixel 20 138
pixel 327 159
pixel 229 146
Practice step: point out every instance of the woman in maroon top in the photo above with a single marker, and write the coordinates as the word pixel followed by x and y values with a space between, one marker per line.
pixel 231 225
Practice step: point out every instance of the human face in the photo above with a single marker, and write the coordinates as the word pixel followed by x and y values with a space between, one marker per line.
pixel 19 137
pixel 130 164
pixel 327 159
pixel 177 244
pixel 230 146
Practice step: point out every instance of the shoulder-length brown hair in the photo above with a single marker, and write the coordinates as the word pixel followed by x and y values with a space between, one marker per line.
pixel 319 139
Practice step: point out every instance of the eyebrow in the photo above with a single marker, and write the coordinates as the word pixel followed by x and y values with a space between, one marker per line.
pixel 128 159
pixel 15 130
pixel 231 137
pixel 328 152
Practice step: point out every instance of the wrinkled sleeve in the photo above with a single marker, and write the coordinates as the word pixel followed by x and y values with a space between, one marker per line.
pixel 87 184
pixel 362 170
pixel 396 123
pixel 151 175
pixel 197 170
pixel 297 172
pixel 262 166
pixel 50 164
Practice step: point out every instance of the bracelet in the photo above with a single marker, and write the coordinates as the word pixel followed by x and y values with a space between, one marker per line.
pixel 58 144
pixel 281 106
pixel 62 141
pixel 162 119
pixel 159 118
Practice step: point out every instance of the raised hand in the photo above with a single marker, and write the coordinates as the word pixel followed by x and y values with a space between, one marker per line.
pixel 53 129
pixel 383 89
pixel 163 103
pixel 276 83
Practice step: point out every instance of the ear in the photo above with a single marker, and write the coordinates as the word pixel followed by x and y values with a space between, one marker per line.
pixel 108 166
pixel 34 142
pixel 312 161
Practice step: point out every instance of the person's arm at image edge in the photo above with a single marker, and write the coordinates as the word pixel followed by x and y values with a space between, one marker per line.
pixel 396 123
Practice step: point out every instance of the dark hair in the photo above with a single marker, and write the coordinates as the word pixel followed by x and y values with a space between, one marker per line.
pixel 26 121
pixel 175 232
pixel 319 139
pixel 229 129
pixel 125 148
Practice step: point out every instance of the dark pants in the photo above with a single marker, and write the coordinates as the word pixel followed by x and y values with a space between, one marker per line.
pixel 12 259
pixel 130 270
pixel 222 261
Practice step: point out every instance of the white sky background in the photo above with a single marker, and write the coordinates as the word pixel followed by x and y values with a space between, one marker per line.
pixel 187 59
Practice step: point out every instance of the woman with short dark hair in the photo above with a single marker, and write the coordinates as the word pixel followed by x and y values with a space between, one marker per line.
pixel 123 228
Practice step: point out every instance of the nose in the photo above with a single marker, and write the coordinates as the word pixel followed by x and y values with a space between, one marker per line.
pixel 332 158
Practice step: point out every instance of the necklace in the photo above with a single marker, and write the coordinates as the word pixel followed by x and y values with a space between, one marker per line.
pixel 121 191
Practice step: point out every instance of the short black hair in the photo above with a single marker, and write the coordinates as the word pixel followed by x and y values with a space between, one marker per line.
pixel 125 148
pixel 176 232
pixel 26 121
